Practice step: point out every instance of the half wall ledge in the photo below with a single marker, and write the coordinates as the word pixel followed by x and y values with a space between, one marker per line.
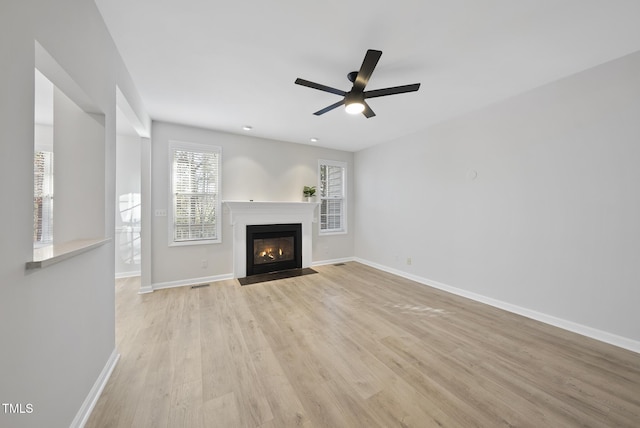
pixel 51 254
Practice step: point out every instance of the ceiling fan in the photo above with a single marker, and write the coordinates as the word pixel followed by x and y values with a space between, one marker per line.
pixel 354 100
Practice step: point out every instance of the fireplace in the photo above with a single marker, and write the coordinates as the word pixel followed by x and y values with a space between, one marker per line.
pixel 246 213
pixel 273 248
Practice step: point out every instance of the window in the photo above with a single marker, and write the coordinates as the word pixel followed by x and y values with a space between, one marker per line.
pixel 42 198
pixel 43 161
pixel 332 177
pixel 195 191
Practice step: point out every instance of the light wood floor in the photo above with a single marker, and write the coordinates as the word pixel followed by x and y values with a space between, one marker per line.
pixel 353 347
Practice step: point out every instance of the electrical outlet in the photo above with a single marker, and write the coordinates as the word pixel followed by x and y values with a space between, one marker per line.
pixel 205 264
pixel 409 261
pixel 161 213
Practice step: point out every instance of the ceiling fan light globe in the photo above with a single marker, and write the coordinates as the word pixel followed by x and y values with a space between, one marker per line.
pixel 354 108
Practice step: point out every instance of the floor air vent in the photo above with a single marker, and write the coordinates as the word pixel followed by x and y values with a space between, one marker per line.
pixel 199 285
pixel 339 264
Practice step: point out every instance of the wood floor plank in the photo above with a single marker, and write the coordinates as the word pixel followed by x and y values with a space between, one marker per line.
pixel 272 377
pixel 353 346
pixel 223 410
pixel 186 405
pixel 249 392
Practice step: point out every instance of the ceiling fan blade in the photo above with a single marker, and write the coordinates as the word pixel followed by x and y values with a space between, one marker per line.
pixel 392 91
pixel 329 108
pixel 367 111
pixel 320 87
pixel 366 69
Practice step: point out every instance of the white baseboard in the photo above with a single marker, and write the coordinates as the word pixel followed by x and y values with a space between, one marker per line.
pixel 121 275
pixel 602 336
pixel 145 289
pixel 332 261
pixel 90 402
pixel 186 282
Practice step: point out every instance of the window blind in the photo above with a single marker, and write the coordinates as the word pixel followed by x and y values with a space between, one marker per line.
pixel 332 197
pixel 43 198
pixel 195 194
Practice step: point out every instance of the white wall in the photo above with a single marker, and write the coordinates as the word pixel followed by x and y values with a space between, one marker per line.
pixel 79 175
pixel 252 168
pixel 43 136
pixel 57 323
pixel 550 224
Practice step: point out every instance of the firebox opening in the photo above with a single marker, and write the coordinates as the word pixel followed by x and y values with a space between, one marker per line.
pixel 273 248
pixel 269 250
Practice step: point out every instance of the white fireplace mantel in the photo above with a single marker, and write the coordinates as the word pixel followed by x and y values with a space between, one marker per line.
pixel 246 213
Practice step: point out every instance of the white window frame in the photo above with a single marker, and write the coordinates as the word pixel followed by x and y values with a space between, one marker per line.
pixel 342 230
pixel 198 148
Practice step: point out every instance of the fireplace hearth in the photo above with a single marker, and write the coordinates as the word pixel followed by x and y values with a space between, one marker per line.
pixel 273 248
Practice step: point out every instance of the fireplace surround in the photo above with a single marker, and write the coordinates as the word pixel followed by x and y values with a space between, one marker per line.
pixel 246 213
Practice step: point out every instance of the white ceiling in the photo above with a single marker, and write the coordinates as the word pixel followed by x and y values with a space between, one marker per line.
pixel 222 65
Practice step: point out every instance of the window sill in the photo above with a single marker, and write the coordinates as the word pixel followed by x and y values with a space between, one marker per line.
pixel 332 232
pixel 194 242
pixel 46 256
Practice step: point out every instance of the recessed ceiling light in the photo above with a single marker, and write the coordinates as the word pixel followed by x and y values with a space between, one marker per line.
pixel 314 140
pixel 247 127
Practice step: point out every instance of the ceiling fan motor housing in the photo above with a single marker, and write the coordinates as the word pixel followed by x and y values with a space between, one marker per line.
pixel 354 97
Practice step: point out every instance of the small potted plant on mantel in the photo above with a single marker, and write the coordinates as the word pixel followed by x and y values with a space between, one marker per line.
pixel 309 192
